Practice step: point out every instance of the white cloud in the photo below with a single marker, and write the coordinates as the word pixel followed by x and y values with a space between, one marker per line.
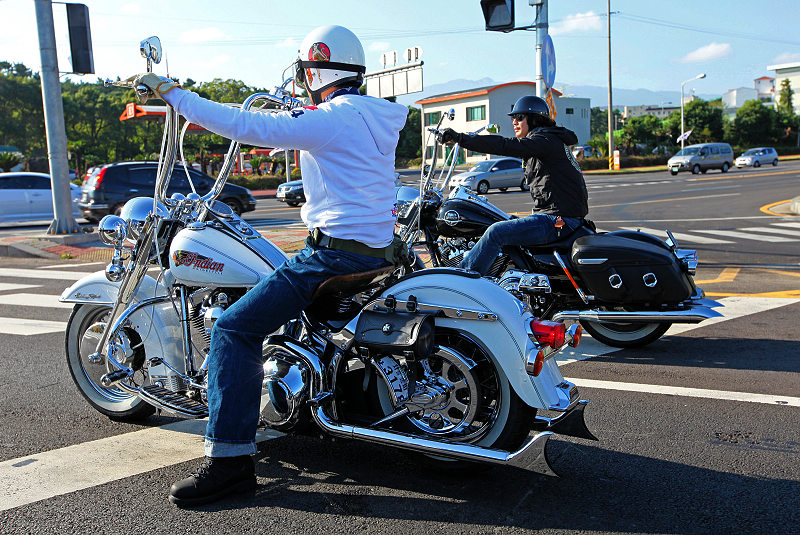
pixel 579 22
pixel 707 53
pixel 378 46
pixel 202 35
pixel 131 9
pixel 786 57
pixel 219 60
pixel 289 42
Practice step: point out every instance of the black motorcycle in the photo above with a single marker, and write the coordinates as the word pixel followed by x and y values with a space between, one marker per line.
pixel 625 288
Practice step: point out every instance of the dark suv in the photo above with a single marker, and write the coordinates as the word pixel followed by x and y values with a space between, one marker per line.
pixel 112 185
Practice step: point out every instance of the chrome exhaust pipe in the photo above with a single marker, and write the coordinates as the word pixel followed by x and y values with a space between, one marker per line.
pixel 532 455
pixel 693 314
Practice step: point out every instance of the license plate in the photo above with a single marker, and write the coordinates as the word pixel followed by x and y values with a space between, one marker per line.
pixel 675 168
pixel 281 195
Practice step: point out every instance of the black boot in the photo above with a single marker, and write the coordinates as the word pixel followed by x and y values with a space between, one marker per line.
pixel 216 477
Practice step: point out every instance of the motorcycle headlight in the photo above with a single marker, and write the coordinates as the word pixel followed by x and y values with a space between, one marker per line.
pixel 136 211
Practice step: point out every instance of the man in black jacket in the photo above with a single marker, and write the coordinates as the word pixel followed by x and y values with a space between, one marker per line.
pixel 556 183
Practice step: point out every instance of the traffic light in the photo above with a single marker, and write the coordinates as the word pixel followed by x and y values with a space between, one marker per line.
pixel 498 14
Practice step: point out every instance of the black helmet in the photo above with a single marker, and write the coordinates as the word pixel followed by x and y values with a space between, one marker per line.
pixel 531 105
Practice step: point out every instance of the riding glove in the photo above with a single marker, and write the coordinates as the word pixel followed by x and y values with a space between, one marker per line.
pixel 158 85
pixel 448 135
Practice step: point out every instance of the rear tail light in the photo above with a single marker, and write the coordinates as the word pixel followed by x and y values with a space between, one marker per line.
pixel 99 178
pixel 549 333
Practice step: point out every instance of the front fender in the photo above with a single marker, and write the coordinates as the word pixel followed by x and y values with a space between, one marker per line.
pixel 159 325
pixel 505 338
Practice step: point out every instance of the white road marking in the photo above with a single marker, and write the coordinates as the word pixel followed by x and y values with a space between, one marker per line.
pixel 26 327
pixel 689 392
pixel 34 300
pixel 681 237
pixel 784 231
pixel 745 235
pixel 56 266
pixel 34 274
pixel 795 224
pixel 733 307
pixel 6 286
pixel 53 473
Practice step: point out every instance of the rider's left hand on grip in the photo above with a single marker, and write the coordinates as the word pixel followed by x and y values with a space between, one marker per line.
pixel 149 85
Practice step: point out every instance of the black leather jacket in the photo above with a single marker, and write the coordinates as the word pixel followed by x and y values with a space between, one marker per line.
pixel 555 178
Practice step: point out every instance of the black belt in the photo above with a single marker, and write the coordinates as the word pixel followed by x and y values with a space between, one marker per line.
pixel 319 239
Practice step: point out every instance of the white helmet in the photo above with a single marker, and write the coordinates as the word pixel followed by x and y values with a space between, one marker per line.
pixel 328 56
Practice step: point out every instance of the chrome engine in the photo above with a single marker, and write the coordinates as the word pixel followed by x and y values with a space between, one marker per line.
pixel 452 251
pixel 285 389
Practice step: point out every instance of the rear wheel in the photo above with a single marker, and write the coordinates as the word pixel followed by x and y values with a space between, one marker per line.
pixel 775 163
pixel 84 329
pixel 483 187
pixel 524 186
pixel 725 167
pixel 625 334
pixel 235 205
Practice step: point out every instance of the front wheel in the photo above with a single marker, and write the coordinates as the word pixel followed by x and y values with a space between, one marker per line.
pixel 756 164
pixel 774 163
pixel 84 329
pixel 696 169
pixel 235 205
pixel 483 187
pixel 625 334
pixel 524 186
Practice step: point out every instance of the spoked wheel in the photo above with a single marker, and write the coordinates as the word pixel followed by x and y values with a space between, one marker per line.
pixel 84 329
pixel 625 334
pixel 461 396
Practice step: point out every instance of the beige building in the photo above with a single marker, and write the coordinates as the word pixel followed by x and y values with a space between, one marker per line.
pixel 790 71
pixel 481 106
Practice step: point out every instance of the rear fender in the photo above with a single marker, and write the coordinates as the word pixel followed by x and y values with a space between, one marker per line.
pixel 504 338
pixel 158 325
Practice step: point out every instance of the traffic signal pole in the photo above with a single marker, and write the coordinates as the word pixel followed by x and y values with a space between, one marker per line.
pixel 63 223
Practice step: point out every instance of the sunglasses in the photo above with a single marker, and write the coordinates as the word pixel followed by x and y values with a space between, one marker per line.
pixel 518 117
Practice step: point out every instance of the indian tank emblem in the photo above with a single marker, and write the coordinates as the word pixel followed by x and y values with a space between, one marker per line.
pixel 196 261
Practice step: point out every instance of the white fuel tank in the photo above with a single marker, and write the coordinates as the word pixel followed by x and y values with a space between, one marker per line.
pixel 208 257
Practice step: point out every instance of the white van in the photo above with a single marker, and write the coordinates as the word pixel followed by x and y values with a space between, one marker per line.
pixel 702 157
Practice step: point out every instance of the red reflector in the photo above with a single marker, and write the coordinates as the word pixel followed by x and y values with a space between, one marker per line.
pixel 538 363
pixel 549 333
pixel 99 178
pixel 576 337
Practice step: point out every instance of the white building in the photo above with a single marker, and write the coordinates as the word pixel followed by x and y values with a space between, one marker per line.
pixel 481 106
pixel 790 71
pixel 661 111
pixel 763 89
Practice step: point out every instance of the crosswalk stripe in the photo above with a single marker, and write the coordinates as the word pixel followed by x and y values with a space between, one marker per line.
pixel 26 327
pixel 795 224
pixel 772 230
pixel 34 300
pixel 56 266
pixel 36 274
pixel 6 286
pixel 681 237
pixel 52 473
pixel 746 236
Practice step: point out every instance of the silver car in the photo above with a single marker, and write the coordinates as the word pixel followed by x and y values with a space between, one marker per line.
pixel 758 157
pixel 28 197
pixel 497 173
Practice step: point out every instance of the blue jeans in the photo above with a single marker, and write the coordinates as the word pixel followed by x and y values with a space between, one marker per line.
pixel 235 364
pixel 534 229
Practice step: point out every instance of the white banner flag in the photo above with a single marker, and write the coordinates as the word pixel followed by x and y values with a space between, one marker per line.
pixel 683 136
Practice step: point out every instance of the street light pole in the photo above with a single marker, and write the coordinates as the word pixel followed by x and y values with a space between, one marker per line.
pixel 610 106
pixel 703 75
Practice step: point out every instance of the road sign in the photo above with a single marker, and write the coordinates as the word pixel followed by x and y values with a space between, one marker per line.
pixel 548 61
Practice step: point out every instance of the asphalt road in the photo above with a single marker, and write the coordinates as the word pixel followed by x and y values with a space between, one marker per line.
pixel 698 431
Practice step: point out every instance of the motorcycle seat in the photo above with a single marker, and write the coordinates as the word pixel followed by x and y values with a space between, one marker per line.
pixel 352 283
pixel 566 241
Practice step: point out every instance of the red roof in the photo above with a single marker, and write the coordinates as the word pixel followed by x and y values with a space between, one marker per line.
pixel 457 95
pixel 765 78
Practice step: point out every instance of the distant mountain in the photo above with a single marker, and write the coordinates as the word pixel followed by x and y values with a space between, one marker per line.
pixel 597 94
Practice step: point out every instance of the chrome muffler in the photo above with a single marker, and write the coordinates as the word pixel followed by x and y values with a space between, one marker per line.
pixel 531 456
pixel 693 314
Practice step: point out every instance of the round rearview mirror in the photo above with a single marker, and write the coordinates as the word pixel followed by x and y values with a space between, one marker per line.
pixel 492 128
pixel 451 114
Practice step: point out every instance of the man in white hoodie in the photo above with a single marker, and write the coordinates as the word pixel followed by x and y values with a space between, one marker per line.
pixel 347 143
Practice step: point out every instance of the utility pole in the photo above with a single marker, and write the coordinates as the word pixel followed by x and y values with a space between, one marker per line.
pixel 610 102
pixel 63 223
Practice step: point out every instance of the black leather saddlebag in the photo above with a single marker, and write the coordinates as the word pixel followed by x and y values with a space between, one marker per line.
pixel 395 331
pixel 622 270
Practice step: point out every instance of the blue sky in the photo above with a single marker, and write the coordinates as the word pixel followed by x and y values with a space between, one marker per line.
pixel 655 44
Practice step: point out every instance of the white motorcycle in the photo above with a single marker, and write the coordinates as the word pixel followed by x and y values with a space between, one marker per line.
pixel 439 361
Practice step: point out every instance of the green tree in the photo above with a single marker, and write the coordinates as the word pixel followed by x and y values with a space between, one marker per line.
pixel 785 95
pixel 409 145
pixel 256 162
pixel 754 124
pixel 704 119
pixel 644 130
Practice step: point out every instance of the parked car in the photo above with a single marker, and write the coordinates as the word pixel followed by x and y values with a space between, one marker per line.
pixel 109 188
pixel 500 173
pixel 758 157
pixel 702 157
pixel 583 151
pixel 29 197
pixel 292 192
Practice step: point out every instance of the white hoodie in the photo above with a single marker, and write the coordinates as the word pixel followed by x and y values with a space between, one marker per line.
pixel 347 156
